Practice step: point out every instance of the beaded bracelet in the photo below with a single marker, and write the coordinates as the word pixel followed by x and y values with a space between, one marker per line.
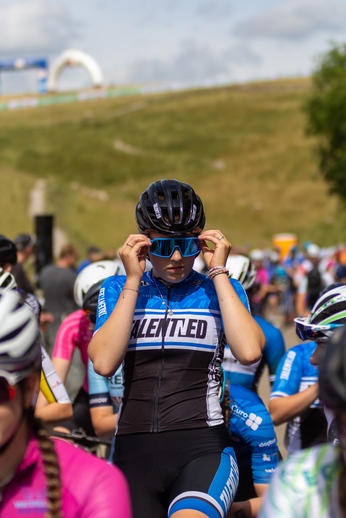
pixel 217 270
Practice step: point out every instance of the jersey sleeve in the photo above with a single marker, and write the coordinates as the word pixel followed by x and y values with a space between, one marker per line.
pixel 274 351
pixel 288 374
pixel 108 297
pixel 99 395
pixel 51 385
pixel 67 337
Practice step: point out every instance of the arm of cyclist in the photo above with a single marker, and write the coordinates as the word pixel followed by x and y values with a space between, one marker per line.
pixel 104 421
pixel 250 507
pixel 109 344
pixel 240 328
pixel 284 408
pixel 62 367
pixel 104 400
pixel 54 413
pixel 53 405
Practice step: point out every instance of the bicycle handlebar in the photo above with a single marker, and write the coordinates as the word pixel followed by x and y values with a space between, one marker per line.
pixel 80 436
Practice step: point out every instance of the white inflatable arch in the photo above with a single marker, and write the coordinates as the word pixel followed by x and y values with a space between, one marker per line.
pixel 74 58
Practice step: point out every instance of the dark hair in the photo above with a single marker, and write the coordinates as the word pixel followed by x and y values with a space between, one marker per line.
pixel 8 251
pixel 67 250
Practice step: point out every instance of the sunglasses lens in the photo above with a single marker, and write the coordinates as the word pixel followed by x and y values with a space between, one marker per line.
pixel 6 391
pixel 165 247
pixel 193 247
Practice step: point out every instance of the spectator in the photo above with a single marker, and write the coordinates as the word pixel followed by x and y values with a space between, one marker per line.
pixel 25 244
pixel 91 253
pixel 57 281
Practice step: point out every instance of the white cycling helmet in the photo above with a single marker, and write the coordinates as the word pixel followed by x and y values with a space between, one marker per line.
pixel 20 351
pixel 241 268
pixel 90 275
pixel 7 280
pixel 257 255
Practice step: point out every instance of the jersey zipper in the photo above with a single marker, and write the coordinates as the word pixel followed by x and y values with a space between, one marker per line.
pixel 159 383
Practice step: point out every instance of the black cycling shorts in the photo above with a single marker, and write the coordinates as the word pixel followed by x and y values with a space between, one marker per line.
pixel 176 470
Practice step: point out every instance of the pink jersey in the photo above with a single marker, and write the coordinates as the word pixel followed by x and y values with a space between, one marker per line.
pixel 91 488
pixel 74 332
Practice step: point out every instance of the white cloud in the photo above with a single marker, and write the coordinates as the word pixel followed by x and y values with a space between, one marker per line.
pixel 29 26
pixel 192 62
pixel 214 9
pixel 294 19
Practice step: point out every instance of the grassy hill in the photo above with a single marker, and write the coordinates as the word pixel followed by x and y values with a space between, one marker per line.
pixel 243 149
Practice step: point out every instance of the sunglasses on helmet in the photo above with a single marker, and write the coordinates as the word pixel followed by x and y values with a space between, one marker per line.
pixel 314 332
pixel 164 247
pixel 7 392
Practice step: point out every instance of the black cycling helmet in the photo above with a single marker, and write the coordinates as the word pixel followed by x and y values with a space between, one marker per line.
pixel 91 297
pixel 332 371
pixel 8 251
pixel 170 207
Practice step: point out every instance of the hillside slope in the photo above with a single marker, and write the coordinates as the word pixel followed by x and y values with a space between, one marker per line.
pixel 243 148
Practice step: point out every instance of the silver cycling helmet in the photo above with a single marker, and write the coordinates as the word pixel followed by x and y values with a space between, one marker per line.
pixel 328 313
pixel 20 352
pixel 7 280
pixel 90 275
pixel 241 268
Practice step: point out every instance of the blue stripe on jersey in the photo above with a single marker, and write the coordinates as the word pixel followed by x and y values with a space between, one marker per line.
pixel 253 435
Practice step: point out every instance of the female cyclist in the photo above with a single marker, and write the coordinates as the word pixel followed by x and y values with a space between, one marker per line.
pixel 38 476
pixel 170 327
pixel 312 483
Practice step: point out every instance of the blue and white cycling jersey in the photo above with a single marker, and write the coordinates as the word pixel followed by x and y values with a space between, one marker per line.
pixel 172 368
pixel 105 391
pixel 295 374
pixel 248 375
pixel 253 436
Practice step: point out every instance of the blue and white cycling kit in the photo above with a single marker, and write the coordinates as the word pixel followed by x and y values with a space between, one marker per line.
pixel 172 368
pixel 105 392
pixel 248 375
pixel 295 374
pixel 254 441
pixel 171 377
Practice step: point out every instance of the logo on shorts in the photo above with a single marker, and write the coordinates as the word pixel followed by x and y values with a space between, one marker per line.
pixel 266 458
pixel 253 421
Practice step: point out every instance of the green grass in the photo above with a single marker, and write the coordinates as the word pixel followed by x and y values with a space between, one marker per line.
pixel 243 149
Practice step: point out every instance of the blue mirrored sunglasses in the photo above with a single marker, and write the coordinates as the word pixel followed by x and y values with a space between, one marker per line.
pixel 314 332
pixel 164 247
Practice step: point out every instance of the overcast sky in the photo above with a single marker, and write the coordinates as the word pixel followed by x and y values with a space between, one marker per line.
pixel 164 40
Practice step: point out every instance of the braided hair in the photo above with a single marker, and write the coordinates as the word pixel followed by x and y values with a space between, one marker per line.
pixel 50 464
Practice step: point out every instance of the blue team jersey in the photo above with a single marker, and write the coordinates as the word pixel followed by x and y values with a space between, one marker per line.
pixel 253 436
pixel 172 368
pixel 105 391
pixel 248 375
pixel 295 374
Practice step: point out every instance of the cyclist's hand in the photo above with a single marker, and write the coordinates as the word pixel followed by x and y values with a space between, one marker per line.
pixel 133 254
pixel 219 255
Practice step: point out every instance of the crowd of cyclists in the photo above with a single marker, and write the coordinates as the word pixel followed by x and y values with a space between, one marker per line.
pixel 173 336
